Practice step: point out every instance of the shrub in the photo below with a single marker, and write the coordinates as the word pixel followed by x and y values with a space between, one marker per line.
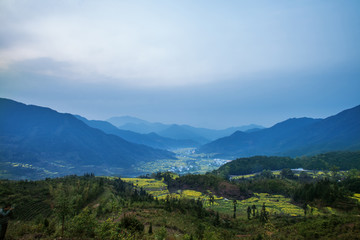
pixel 132 224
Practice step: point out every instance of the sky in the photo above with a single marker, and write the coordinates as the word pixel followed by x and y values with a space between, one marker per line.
pixel 212 64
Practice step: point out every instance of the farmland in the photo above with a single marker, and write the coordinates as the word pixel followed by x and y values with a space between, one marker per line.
pixel 187 162
pixel 275 204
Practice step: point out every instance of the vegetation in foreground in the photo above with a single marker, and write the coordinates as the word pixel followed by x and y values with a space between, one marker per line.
pixel 191 207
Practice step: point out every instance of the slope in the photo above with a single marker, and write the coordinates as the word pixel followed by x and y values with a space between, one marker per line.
pixel 61 143
pixel 294 137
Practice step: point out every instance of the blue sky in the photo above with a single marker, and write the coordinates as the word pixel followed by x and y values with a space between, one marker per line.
pixel 204 63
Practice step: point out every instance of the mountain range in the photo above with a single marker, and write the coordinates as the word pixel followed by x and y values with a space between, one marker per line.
pixel 176 131
pixel 49 143
pixel 150 139
pixel 293 137
pixel 42 138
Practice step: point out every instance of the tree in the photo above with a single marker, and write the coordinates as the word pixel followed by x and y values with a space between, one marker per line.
pixel 335 172
pixel 211 199
pixel 234 202
pixel 132 224
pixel 63 205
pixel 253 208
pixel 304 176
pixel 264 215
pixel 287 173
pixel 353 173
pixel 305 207
pixel 267 174
pixel 83 224
pixel 249 212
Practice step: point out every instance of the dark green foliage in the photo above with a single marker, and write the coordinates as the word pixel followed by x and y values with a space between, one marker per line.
pixel 92 215
pixel 287 173
pixel 326 161
pixel 83 224
pixel 253 207
pixel 351 184
pixel 132 224
pixel 217 219
pixel 322 227
pixel 255 164
pixel 267 174
pixel 249 212
pixel 150 229
pixel 234 203
pixel 264 215
pixel 200 231
pixel 273 186
pixel 328 192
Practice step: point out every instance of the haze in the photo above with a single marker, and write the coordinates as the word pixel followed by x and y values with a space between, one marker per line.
pixel 209 64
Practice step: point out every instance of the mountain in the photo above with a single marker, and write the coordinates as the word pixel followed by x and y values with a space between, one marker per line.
pixel 202 135
pixel 175 131
pixel 119 121
pixel 293 137
pixel 183 132
pixel 150 139
pixel 62 144
pixel 136 125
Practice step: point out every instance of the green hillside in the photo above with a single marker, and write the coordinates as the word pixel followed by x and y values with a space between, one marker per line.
pixel 167 206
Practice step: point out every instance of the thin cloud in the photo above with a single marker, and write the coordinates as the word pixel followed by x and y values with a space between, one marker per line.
pixel 170 44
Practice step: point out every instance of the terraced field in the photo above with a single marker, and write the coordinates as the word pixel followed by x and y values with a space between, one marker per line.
pixel 155 187
pixel 275 204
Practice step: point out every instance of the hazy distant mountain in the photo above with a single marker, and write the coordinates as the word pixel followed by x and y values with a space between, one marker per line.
pixel 183 132
pixel 62 143
pixel 120 121
pixel 136 125
pixel 175 131
pixel 293 137
pixel 150 139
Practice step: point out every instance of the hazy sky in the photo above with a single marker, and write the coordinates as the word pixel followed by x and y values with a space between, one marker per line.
pixel 204 63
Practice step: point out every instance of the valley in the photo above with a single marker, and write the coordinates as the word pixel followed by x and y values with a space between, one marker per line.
pixel 187 162
pixel 179 120
pixel 74 178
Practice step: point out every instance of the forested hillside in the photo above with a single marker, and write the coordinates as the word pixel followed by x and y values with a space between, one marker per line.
pixel 326 161
pixel 90 207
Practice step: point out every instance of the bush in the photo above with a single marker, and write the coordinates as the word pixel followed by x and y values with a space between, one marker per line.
pixel 83 225
pixel 132 224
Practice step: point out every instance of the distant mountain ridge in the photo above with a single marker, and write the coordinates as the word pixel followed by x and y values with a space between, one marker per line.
pixel 59 142
pixel 151 139
pixel 293 137
pixel 176 131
